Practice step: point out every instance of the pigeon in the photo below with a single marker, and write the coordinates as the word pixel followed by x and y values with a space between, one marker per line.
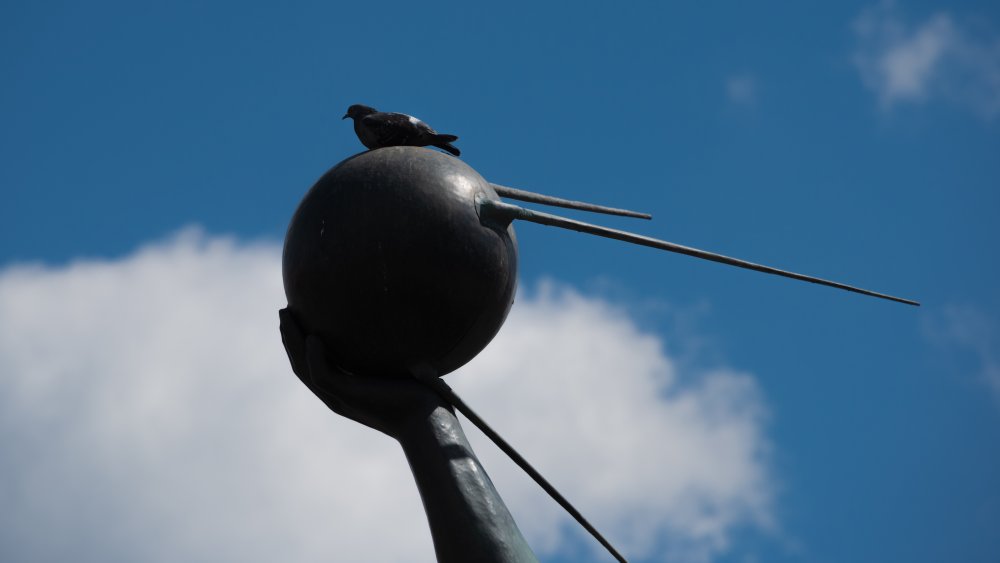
pixel 377 129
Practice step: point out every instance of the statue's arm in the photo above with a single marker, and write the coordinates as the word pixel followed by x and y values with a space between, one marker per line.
pixel 468 519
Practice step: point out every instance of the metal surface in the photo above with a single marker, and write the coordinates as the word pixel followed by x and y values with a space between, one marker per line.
pixel 532 197
pixel 500 213
pixel 387 261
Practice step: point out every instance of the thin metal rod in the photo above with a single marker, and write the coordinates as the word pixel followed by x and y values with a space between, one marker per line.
pixel 506 212
pixel 523 195
pixel 449 395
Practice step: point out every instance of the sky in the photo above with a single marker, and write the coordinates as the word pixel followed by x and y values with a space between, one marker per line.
pixel 152 156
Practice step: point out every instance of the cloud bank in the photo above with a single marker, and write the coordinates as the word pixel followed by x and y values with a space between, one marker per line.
pixel 938 58
pixel 147 413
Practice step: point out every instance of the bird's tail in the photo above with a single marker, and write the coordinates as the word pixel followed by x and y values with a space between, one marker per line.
pixel 443 141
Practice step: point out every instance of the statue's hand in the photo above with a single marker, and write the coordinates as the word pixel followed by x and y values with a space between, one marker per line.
pixel 387 404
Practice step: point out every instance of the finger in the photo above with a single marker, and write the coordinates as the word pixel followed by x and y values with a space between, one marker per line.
pixel 322 376
pixel 326 377
pixel 293 340
pixel 331 401
pixel 324 380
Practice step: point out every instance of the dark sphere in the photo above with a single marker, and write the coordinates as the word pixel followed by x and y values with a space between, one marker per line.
pixel 387 261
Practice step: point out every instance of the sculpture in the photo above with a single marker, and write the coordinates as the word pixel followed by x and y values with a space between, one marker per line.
pixel 400 265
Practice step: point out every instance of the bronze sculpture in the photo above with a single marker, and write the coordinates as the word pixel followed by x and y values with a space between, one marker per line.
pixel 395 308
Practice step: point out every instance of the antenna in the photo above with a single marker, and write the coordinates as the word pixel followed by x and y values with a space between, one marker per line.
pixel 503 213
pixel 523 195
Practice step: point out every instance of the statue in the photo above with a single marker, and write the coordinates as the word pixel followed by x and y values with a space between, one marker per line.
pixel 400 266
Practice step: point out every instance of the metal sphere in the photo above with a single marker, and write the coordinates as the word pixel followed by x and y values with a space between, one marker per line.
pixel 386 259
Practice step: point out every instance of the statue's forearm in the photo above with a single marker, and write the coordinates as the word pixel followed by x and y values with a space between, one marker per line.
pixel 467 517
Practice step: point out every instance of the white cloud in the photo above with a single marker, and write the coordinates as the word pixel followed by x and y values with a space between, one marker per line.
pixel 147 413
pixel 966 329
pixel 742 89
pixel 937 58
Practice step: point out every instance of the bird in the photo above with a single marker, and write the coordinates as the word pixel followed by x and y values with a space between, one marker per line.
pixel 377 129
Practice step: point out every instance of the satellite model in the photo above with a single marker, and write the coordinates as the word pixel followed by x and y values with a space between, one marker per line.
pixel 403 261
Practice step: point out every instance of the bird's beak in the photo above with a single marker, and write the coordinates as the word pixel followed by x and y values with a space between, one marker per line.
pixel 345 116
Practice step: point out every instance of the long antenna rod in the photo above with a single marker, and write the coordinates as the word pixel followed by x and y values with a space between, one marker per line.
pixel 444 390
pixel 505 213
pixel 532 197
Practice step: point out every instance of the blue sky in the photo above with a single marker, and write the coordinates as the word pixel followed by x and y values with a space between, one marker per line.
pixel 857 141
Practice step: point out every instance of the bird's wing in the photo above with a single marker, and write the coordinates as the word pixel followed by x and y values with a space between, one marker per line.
pixel 419 126
pixel 393 129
